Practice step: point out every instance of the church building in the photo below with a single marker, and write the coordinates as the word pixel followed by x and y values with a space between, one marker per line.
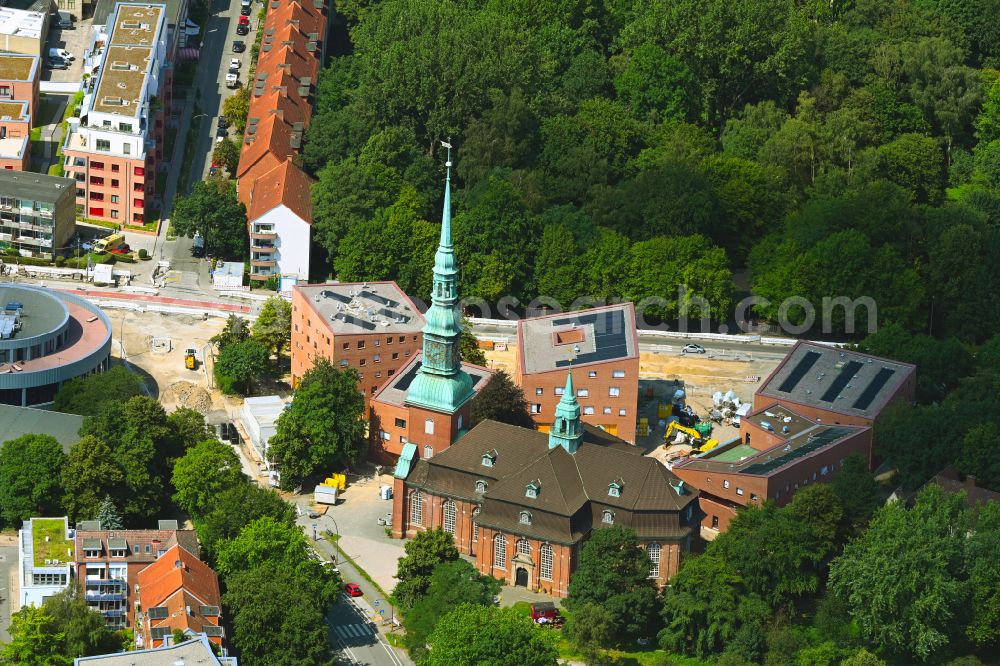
pixel 521 502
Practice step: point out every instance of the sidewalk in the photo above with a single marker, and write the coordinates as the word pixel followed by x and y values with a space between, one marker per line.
pixel 163 300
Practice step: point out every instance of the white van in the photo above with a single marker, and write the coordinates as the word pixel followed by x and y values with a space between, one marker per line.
pixel 61 53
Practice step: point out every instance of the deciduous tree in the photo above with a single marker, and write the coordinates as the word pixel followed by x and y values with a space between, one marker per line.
pixel 90 474
pixel 88 395
pixel 614 573
pixel 30 478
pixel 236 330
pixel 213 210
pixel 501 400
pixel 240 364
pixel 489 635
pixel 322 428
pixel 232 509
pixel 273 327
pixel 424 553
pixel 205 471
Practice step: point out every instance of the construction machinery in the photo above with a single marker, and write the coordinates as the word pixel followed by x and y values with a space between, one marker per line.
pixel 690 436
pixel 190 359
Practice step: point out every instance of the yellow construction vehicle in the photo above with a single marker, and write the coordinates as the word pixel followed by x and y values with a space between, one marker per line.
pixel 190 359
pixel 694 438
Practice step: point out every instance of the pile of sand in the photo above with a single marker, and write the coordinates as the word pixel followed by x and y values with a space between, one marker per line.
pixel 186 394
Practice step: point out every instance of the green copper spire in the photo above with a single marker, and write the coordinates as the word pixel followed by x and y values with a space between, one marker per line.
pixel 566 430
pixel 441 384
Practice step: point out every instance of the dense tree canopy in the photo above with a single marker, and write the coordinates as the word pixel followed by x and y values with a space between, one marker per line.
pixel 476 634
pixel 213 210
pixel 30 478
pixel 424 553
pixel 323 428
pixel 501 400
pixel 87 395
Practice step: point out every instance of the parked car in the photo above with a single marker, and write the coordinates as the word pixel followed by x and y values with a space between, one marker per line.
pixel 56 63
pixel 61 53
pixel 352 590
pixel 121 249
pixel 243 29
pixel 223 122
pixel 64 20
pixel 245 10
pixel 221 131
pixel 213 170
pixel 693 349
pixel 239 46
pixel 232 80
pixel 244 20
pixel 235 63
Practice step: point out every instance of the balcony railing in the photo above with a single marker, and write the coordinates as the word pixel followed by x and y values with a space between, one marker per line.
pixel 264 235
pixel 108 596
pixel 266 249
pixel 263 262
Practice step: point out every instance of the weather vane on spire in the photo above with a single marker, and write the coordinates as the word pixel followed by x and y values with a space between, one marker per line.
pixel 447 144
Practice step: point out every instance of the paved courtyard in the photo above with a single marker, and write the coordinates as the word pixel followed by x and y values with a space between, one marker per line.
pixel 355 518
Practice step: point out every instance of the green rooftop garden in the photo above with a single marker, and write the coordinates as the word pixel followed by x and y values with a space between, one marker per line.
pixel 50 542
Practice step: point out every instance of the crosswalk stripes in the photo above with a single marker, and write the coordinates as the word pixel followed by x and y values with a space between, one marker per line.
pixel 350 631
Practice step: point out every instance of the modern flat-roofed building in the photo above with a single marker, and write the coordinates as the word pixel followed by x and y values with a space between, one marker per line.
pixel 15 136
pixel 778 452
pixel 836 386
pixel 23 31
pixel 47 338
pixel 602 347
pixel 258 422
pixel 45 559
pixel 177 592
pixel 112 149
pixel 108 563
pixel 37 214
pixel 19 82
pixel 372 327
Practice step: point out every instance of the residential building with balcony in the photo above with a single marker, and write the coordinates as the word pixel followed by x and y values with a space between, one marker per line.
pixel 108 563
pixel 15 136
pixel 45 559
pixel 372 327
pixel 112 149
pixel 37 214
pixel 602 346
pixel 274 189
pixel 279 208
pixel 177 592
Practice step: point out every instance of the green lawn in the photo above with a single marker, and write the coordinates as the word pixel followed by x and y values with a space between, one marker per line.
pixel 57 547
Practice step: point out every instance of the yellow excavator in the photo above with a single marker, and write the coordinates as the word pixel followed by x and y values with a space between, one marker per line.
pixel 697 441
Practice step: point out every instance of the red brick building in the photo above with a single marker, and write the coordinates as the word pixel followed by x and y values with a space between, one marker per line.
pixel 372 327
pixel 832 385
pixel 602 346
pixel 523 503
pixel 177 592
pixel 778 452
pixel 108 563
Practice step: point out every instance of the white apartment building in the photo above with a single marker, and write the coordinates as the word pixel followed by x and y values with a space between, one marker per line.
pixel 112 148
pixel 45 559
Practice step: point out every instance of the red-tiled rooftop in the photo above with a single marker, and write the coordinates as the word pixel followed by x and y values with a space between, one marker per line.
pixel 285 184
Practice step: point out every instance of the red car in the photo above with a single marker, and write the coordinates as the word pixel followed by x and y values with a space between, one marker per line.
pixel 244 20
pixel 122 249
pixel 352 590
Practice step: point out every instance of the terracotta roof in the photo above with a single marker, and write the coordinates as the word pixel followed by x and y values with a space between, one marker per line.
pixel 305 16
pixel 285 185
pixel 162 539
pixel 178 581
pixel 949 479
pixel 272 138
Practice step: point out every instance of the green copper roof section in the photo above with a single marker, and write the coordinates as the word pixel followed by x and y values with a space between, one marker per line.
pixel 441 384
pixel 566 430
pixel 406 460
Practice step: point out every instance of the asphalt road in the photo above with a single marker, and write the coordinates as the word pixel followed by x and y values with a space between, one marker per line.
pixel 8 563
pixel 354 623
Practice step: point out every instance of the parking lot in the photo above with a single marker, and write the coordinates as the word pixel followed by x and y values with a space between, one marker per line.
pixel 75 41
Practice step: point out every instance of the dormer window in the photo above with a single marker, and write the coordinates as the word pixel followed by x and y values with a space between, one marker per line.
pixel 615 489
pixel 490 458
pixel 531 490
pixel 608 517
pixel 480 487
pixel 525 518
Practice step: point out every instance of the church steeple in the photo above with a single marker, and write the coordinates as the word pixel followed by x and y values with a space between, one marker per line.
pixel 566 430
pixel 441 384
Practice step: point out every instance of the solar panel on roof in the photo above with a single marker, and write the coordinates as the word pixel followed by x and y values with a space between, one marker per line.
pixel 610 336
pixel 159 633
pixel 873 388
pixel 209 611
pixel 814 443
pixel 211 630
pixel 157 613
pixel 842 380
pixel 805 364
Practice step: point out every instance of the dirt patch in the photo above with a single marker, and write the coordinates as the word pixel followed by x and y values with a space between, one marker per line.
pixel 186 394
